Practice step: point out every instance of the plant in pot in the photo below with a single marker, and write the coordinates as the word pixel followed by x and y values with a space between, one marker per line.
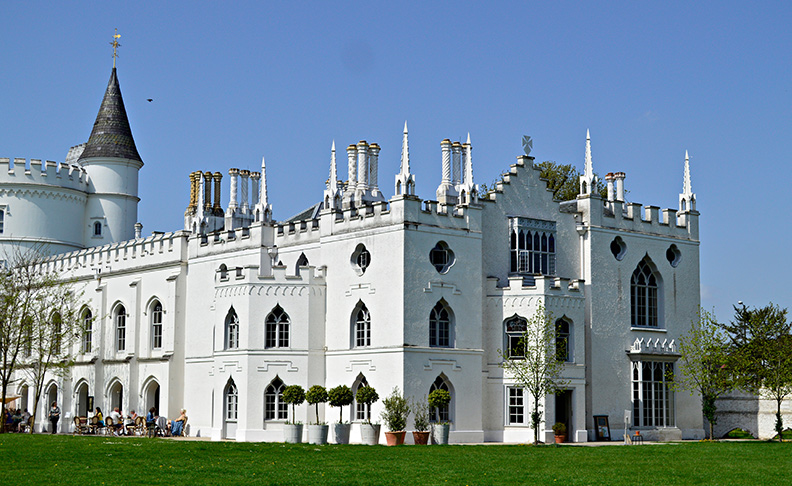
pixel 438 400
pixel 341 396
pixel 559 432
pixel 369 433
pixel 294 395
pixel 317 432
pixel 420 409
pixel 395 414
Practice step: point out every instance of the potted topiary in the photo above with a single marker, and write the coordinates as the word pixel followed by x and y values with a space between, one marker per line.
pixel 341 396
pixel 369 433
pixel 295 395
pixel 395 414
pixel 559 432
pixel 420 410
pixel 439 399
pixel 317 432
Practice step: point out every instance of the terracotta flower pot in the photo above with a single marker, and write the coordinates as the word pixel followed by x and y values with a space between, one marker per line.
pixel 395 438
pixel 560 439
pixel 421 438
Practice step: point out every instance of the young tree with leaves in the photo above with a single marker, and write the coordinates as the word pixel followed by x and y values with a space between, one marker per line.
pixel 703 365
pixel 761 340
pixel 539 370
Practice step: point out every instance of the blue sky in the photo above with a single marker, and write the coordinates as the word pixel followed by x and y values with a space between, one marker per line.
pixel 235 81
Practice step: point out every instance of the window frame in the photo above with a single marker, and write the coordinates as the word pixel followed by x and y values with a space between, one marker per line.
pixel 448 258
pixel 515 406
pixel 441 414
pixel 653 400
pixel 156 325
pixel 514 329
pixel 87 337
pixel 532 246
pixel 564 337
pixel 273 394
pixel 231 403
pixel 362 410
pixel 119 321
pixel 277 329
pixel 441 323
pixel 645 285
pixel 231 338
pixel 361 328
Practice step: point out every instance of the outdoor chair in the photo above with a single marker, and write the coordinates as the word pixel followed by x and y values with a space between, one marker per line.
pixel 80 425
pixel 96 427
pixel 109 426
pixel 27 426
pixel 137 428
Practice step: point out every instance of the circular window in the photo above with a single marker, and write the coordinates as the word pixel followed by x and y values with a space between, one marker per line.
pixel 673 255
pixel 361 258
pixel 618 248
pixel 441 257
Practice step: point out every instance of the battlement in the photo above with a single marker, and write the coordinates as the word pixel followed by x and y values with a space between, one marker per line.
pixel 46 172
pixel 157 249
pixel 642 219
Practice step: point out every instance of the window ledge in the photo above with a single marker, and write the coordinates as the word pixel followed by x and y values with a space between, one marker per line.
pixel 650 329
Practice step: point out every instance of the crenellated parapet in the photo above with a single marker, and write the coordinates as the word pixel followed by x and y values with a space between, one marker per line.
pixel 43 172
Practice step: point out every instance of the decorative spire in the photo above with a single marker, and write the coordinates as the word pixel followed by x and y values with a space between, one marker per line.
pixel 686 188
pixel 405 182
pixel 263 209
pixel 468 162
pixel 687 200
pixel 405 155
pixel 332 184
pixel 588 180
pixel 111 136
pixel 469 191
pixel 263 196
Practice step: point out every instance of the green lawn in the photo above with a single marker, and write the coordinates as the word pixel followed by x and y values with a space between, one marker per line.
pixel 43 459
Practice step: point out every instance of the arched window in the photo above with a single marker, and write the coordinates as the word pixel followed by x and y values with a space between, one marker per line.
pixel 274 406
pixel 441 414
pixel 87 337
pixel 563 340
pixel 362 410
pixel 120 328
pixel 277 329
pixel 2 220
pixel 231 330
pixel 231 404
pixel 97 228
pixel 223 272
pixel 361 325
pixel 440 325
pixel 643 296
pixel 156 325
pixel 301 262
pixel 57 329
pixel 515 328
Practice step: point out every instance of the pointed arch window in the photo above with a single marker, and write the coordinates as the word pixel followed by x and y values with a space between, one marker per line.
pixel 643 296
pixel 120 328
pixel 440 414
pixel 274 406
pixel 231 405
pixel 515 328
pixel 87 337
pixel 440 325
pixel 301 262
pixel 362 410
pixel 2 220
pixel 156 325
pixel 232 330
pixel 277 329
pixel 361 326
pixel 97 228
pixel 57 330
pixel 563 340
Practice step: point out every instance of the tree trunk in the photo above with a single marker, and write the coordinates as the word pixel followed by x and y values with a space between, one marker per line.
pixel 780 423
pixel 710 427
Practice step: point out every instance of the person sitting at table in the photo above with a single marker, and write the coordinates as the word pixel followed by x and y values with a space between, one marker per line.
pixel 129 422
pixel 177 425
pixel 99 417
pixel 16 419
pixel 117 420
pixel 23 423
pixel 151 417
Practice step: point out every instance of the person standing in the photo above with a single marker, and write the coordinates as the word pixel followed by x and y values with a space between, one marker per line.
pixel 54 416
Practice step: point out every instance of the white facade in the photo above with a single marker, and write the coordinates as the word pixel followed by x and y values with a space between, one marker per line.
pixel 401 292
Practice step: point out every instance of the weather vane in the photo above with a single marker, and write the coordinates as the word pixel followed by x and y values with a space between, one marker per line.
pixel 115 45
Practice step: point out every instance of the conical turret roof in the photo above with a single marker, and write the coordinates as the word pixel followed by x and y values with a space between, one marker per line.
pixel 111 135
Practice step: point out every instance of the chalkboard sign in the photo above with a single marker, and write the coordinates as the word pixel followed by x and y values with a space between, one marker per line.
pixel 602 427
pixel 90 404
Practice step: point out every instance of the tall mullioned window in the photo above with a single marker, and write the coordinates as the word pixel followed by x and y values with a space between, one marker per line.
pixel 87 337
pixel 362 410
pixel 277 329
pixel 533 246
pixel 440 326
pixel 643 296
pixel 515 328
pixel 120 321
pixel 516 406
pixel 232 330
pixel 156 326
pixel 440 414
pixel 362 326
pixel 653 399
pixel 2 220
pixel 274 406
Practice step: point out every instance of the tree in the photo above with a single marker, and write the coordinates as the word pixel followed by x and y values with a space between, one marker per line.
pixel 316 394
pixel 564 180
pixel 340 396
pixel 760 345
pixel 295 395
pixel 366 395
pixel 38 322
pixel 703 364
pixel 539 371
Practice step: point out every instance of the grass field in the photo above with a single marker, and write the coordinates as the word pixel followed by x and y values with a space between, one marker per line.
pixel 44 459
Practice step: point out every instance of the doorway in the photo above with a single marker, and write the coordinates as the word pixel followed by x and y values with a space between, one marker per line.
pixel 563 412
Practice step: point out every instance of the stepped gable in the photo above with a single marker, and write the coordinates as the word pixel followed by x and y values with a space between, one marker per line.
pixel 111 135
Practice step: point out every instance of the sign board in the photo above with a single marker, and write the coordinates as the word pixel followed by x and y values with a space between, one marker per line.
pixel 602 428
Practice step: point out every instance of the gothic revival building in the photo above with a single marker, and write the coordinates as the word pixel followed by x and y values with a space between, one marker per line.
pixel 362 288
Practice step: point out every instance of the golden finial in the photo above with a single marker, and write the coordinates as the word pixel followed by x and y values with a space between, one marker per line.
pixel 115 45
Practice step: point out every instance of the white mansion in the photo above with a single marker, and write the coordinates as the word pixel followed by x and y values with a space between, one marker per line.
pixel 361 288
